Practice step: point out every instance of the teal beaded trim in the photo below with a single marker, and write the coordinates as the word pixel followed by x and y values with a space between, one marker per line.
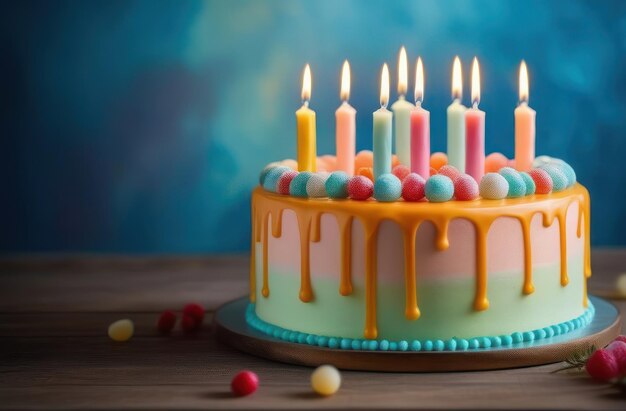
pixel 453 344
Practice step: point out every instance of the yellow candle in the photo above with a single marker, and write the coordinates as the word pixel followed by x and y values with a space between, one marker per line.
pixel 524 125
pixel 305 118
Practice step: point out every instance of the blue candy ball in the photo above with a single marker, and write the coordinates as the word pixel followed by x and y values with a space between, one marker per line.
pixel 297 187
pixel 337 185
pixel 266 170
pixel 567 170
pixel 530 183
pixel 270 182
pixel 559 179
pixel 387 187
pixel 517 186
pixel 439 188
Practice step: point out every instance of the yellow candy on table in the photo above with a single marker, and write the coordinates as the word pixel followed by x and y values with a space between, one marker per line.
pixel 326 380
pixel 121 330
pixel 620 285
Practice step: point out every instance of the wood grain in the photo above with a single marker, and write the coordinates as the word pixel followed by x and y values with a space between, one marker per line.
pixel 54 353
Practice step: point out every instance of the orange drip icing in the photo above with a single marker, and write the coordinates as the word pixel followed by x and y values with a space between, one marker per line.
pixel 253 257
pixel 408 216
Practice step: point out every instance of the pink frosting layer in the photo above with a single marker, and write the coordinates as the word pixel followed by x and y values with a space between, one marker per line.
pixel 504 247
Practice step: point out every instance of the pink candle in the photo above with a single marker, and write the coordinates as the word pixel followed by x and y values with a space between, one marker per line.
pixel 524 126
pixel 420 128
pixel 345 132
pixel 475 131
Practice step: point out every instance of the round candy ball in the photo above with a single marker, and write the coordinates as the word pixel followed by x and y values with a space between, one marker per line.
pixel 337 185
pixel 284 181
pixel 494 162
pixel 395 161
pixel 449 171
pixel 364 158
pixel 366 172
pixel 291 163
pixel 121 330
pixel 413 187
pixel 543 181
pixel 316 185
pixel 559 179
pixel 530 183
pixel 244 383
pixel 493 186
pixel 266 170
pixel 541 160
pixel 360 188
pixel 330 162
pixel 438 160
pixel 517 186
pixel 567 170
pixel 387 188
pixel 325 380
pixel 194 310
pixel 439 188
pixel 465 188
pixel 297 187
pixel 167 321
pixel 432 171
pixel 401 171
pixel 270 183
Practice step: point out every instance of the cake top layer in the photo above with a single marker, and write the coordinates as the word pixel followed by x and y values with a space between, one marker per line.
pixel 445 183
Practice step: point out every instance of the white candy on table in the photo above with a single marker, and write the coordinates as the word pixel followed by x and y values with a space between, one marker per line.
pixel 121 330
pixel 326 380
pixel 620 285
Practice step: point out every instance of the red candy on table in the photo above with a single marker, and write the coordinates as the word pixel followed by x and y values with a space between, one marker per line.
pixel 413 187
pixel 543 182
pixel 194 310
pixel 602 365
pixel 245 383
pixel 284 181
pixel 360 188
pixel 166 322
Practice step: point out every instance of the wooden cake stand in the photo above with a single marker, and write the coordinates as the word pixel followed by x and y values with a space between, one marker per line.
pixel 232 329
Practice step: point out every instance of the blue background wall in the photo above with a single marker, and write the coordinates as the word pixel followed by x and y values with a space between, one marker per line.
pixel 141 126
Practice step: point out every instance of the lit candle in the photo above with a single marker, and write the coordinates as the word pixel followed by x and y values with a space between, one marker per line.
pixel 382 129
pixel 345 133
pixel 475 131
pixel 420 128
pixel 305 117
pixel 524 125
pixel 402 113
pixel 456 120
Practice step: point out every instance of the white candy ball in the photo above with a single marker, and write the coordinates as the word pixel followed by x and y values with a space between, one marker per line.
pixel 326 380
pixel 620 285
pixel 316 186
pixel 493 186
pixel 541 160
pixel 121 330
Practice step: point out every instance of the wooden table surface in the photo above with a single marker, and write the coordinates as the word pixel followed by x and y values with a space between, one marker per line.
pixel 55 354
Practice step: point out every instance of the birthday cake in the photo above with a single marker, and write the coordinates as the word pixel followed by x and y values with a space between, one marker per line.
pixel 364 259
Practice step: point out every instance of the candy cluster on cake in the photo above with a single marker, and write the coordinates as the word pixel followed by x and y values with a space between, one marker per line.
pixel 445 182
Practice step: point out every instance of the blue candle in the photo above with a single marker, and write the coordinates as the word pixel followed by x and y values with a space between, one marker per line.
pixel 383 119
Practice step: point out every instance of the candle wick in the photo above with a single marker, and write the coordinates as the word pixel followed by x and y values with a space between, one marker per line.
pixel 475 104
pixel 305 103
pixel 418 103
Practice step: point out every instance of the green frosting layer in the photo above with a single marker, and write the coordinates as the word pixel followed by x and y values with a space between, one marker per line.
pixel 452 344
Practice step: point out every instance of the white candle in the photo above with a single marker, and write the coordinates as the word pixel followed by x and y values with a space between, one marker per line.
pixel 456 120
pixel 402 113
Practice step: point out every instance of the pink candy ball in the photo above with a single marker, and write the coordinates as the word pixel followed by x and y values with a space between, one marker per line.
pixel 494 162
pixel 401 171
pixel 465 188
pixel 413 187
pixel 284 181
pixel 360 188
pixel 543 181
pixel 449 171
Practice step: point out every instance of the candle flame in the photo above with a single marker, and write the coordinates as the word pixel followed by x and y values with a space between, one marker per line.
pixel 306 84
pixel 403 72
pixel 457 80
pixel 523 83
pixel 419 81
pixel 345 81
pixel 475 83
pixel 384 86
